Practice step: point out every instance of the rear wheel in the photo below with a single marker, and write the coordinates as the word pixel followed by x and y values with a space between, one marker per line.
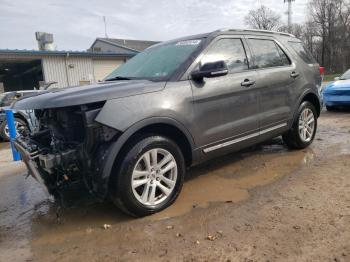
pixel 303 131
pixel 331 108
pixel 149 177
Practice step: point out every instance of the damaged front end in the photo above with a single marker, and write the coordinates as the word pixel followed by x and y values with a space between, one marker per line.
pixel 67 148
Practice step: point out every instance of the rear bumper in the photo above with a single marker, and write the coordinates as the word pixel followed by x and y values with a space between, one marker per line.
pixel 336 100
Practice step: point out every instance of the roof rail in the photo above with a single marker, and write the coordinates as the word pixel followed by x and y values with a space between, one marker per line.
pixel 257 31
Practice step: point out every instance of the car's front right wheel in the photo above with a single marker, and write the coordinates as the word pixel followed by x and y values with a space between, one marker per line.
pixel 20 125
pixel 304 127
pixel 149 177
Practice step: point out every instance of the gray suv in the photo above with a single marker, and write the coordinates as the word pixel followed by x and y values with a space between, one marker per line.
pixel 177 104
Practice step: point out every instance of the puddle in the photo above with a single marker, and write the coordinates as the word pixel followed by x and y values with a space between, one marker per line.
pixel 229 179
pixel 20 199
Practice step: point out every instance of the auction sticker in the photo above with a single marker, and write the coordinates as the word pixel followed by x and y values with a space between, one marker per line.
pixel 189 42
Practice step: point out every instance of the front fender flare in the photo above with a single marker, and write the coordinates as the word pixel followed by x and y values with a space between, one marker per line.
pixel 115 147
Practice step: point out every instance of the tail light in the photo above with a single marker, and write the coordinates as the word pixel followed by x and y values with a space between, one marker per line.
pixel 322 70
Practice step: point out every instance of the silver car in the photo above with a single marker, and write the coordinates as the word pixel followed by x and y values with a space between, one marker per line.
pixel 24 119
pixel 177 104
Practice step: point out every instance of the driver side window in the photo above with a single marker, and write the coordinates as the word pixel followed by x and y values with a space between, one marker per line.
pixel 231 51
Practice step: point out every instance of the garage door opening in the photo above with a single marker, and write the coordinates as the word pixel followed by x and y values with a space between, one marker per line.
pixel 20 75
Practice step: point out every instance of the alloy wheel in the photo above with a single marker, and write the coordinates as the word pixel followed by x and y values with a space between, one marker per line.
pixel 154 177
pixel 306 125
pixel 20 128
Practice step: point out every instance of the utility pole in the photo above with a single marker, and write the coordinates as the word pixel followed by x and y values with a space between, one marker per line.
pixel 289 14
pixel 105 23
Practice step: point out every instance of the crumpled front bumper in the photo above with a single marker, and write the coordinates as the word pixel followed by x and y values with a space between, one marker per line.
pixel 29 159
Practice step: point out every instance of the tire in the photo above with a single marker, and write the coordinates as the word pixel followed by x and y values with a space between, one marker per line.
pixel 296 138
pixel 4 131
pixel 135 199
pixel 331 108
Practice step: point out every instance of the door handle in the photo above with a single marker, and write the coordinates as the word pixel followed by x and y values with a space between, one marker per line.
pixel 247 83
pixel 294 74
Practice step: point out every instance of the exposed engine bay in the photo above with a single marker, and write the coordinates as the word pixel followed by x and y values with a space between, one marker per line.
pixel 64 147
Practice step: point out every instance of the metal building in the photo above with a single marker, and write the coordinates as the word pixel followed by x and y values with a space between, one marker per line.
pixel 120 45
pixel 29 69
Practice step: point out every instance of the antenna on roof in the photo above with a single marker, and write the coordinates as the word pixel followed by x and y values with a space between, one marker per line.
pixel 105 23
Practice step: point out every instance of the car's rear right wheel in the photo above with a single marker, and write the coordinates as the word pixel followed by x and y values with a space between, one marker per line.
pixel 303 131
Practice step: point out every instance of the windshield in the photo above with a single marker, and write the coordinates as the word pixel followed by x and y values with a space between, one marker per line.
pixel 157 62
pixel 6 99
pixel 346 75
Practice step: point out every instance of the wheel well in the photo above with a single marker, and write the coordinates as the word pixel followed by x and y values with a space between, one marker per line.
pixel 169 131
pixel 19 116
pixel 174 134
pixel 313 99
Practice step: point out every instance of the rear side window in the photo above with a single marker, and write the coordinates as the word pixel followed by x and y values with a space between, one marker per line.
pixel 229 50
pixel 302 52
pixel 267 54
pixel 7 99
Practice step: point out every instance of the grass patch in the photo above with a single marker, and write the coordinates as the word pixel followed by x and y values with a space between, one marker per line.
pixel 328 78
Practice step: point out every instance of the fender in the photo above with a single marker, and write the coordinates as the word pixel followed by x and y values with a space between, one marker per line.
pixel 115 147
pixel 300 99
pixel 27 116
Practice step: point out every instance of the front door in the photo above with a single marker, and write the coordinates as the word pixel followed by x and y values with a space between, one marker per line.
pixel 225 107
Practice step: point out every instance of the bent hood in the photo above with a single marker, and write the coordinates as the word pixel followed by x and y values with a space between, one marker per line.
pixel 71 96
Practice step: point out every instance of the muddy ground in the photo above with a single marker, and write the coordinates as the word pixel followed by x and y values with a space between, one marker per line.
pixel 264 204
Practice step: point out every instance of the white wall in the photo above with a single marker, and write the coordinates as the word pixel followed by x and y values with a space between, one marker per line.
pixel 103 68
pixel 69 71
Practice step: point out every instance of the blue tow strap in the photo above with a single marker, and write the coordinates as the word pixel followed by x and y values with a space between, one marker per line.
pixel 12 131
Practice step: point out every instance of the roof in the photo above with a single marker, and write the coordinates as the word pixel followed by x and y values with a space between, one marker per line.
pixel 64 53
pixel 132 45
pixel 256 31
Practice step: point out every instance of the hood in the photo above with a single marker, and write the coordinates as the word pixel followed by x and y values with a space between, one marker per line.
pixel 338 85
pixel 71 96
pixel 3 108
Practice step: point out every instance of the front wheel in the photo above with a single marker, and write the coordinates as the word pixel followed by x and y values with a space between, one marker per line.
pixel 303 131
pixel 20 125
pixel 149 177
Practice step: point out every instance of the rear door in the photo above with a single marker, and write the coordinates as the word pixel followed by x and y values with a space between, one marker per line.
pixel 275 83
pixel 225 109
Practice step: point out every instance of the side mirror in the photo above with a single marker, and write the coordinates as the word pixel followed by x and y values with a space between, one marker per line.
pixel 209 70
pixel 336 78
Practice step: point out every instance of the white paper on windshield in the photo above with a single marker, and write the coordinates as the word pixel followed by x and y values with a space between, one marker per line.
pixel 189 42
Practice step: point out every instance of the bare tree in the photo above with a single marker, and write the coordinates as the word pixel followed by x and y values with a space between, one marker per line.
pixel 263 18
pixel 295 29
pixel 331 20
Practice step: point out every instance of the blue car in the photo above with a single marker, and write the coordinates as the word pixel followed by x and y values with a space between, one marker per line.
pixel 337 93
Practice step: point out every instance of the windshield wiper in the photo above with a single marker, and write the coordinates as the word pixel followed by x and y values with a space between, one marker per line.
pixel 118 78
